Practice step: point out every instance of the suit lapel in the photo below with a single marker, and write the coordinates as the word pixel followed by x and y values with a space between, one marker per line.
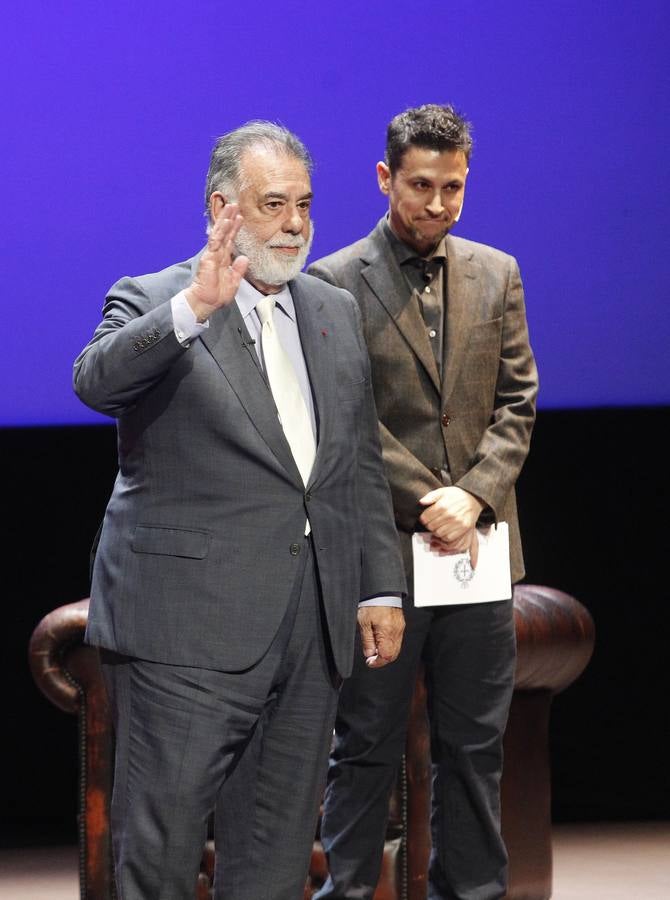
pixel 385 279
pixel 462 277
pixel 225 339
pixel 316 336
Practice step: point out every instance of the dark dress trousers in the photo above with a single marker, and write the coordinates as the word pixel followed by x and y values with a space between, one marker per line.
pixel 467 423
pixel 225 631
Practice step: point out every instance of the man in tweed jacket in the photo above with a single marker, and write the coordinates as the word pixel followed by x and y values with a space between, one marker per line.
pixel 455 385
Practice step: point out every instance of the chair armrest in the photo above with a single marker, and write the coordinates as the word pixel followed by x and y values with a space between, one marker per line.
pixel 555 637
pixel 60 631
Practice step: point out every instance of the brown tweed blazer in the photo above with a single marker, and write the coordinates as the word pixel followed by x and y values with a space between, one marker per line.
pixel 481 412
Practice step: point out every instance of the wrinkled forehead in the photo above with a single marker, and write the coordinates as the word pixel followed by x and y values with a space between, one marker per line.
pixel 271 170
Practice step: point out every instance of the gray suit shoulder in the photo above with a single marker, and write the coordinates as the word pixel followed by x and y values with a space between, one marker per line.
pixel 159 286
pixel 320 288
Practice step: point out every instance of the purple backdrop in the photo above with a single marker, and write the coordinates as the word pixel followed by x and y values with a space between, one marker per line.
pixel 109 112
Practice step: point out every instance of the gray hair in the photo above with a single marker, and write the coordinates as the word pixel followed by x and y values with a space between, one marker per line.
pixel 224 165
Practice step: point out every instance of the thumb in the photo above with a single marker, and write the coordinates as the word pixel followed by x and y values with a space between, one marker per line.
pixel 429 498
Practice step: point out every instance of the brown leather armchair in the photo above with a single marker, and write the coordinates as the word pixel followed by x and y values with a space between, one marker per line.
pixel 555 636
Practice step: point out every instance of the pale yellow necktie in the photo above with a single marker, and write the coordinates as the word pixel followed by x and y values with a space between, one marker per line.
pixel 290 403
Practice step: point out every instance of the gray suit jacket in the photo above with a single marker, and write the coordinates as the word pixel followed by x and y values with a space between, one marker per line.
pixel 481 411
pixel 196 558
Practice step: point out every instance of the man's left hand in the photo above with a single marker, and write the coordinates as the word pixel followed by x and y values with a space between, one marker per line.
pixel 381 630
pixel 451 516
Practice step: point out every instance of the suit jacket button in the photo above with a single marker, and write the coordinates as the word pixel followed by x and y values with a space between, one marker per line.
pixel 295 549
pixel 308 496
pixel 445 419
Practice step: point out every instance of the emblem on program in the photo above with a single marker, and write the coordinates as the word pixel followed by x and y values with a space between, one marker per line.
pixel 464 573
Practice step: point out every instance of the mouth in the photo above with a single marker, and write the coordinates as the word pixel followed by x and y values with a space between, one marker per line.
pixel 287 251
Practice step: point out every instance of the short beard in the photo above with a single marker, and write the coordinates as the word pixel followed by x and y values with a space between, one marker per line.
pixel 431 242
pixel 265 264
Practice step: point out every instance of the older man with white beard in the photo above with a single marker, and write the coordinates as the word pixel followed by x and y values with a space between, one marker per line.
pixel 250 526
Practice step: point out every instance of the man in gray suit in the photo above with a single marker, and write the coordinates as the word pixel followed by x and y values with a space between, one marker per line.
pixel 249 517
pixel 455 386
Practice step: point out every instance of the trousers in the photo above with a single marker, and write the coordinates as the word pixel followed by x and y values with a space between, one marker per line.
pixel 469 652
pixel 250 745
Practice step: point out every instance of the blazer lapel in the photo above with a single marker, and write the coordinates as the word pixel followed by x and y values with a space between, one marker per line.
pixel 386 280
pixel 316 330
pixel 461 310
pixel 227 339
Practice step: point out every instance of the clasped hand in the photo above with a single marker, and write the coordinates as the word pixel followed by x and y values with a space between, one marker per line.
pixel 451 516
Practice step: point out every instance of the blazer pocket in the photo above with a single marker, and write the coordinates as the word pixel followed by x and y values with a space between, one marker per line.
pixel 351 390
pixel 171 541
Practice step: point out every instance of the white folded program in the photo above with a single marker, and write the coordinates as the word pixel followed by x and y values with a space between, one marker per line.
pixel 443 580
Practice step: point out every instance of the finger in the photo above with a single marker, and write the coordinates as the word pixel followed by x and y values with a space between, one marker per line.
pixel 227 244
pixel 445 533
pixel 375 662
pixel 225 227
pixel 229 211
pixel 227 232
pixel 233 275
pixel 432 517
pixel 218 236
pixel 368 641
pixel 427 515
pixel 442 549
pixel 240 265
pixel 474 549
pixel 382 659
pixel 235 225
pixel 379 663
pixel 389 649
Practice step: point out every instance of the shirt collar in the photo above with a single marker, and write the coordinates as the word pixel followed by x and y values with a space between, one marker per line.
pixel 247 297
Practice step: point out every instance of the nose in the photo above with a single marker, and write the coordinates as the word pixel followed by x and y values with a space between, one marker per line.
pixel 436 206
pixel 293 222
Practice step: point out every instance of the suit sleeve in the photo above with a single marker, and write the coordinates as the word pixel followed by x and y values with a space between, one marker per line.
pixel 130 351
pixel 503 446
pixel 382 567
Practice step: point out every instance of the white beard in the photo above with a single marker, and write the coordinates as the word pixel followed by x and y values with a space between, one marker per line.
pixel 266 264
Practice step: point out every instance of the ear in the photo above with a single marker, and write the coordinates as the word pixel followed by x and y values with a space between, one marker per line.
pixel 383 177
pixel 216 204
pixel 460 208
